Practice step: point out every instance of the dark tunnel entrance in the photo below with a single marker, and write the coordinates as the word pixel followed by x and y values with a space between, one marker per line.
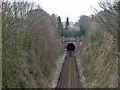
pixel 70 47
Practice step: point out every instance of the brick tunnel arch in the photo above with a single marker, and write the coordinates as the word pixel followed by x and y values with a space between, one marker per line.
pixel 70 47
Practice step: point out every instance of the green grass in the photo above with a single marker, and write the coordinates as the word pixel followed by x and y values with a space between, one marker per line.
pixel 89 73
pixel 114 47
pixel 80 54
pixel 97 81
pixel 14 70
pixel 53 74
pixel 86 61
pixel 89 77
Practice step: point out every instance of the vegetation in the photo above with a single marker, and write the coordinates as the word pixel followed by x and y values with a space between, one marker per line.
pixel 30 45
pixel 72 34
pixel 60 26
pixel 108 18
pixel 98 62
pixel 67 23
pixel 98 54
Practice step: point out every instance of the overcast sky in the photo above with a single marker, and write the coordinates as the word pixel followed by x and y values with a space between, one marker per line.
pixel 68 8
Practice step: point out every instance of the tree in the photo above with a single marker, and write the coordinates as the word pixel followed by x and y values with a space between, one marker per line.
pixel 28 37
pixel 67 23
pixel 82 30
pixel 119 26
pixel 108 17
pixel 60 26
pixel 84 22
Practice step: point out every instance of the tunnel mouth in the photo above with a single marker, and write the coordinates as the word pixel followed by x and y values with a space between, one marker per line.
pixel 70 47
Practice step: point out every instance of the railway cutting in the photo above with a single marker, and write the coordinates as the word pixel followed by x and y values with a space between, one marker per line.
pixel 69 75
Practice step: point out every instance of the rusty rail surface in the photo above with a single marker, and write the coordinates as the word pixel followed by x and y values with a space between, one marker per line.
pixel 69 75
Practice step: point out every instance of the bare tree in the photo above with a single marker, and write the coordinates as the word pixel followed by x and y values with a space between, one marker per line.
pixel 108 17
pixel 30 44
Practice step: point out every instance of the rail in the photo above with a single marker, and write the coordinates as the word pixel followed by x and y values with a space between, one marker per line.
pixel 69 75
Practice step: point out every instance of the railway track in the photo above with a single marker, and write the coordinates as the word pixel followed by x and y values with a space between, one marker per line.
pixel 69 75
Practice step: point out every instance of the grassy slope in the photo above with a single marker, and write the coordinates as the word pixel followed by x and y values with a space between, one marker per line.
pixel 97 62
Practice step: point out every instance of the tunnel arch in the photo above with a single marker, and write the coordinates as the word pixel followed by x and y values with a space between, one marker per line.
pixel 70 47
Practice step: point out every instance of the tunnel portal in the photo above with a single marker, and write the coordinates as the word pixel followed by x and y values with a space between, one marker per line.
pixel 70 47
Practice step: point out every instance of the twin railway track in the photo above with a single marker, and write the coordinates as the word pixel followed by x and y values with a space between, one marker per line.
pixel 69 75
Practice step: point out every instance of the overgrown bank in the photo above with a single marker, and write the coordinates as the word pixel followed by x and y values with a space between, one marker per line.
pixel 31 45
pixel 98 63
pixel 98 54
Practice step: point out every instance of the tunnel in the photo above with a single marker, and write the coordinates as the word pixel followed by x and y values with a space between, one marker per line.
pixel 70 47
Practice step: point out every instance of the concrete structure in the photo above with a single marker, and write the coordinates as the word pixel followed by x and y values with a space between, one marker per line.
pixel 65 43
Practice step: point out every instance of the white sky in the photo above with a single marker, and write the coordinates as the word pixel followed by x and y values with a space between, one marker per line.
pixel 71 8
pixel 68 8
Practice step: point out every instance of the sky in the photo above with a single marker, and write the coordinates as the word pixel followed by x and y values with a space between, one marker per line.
pixel 69 8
